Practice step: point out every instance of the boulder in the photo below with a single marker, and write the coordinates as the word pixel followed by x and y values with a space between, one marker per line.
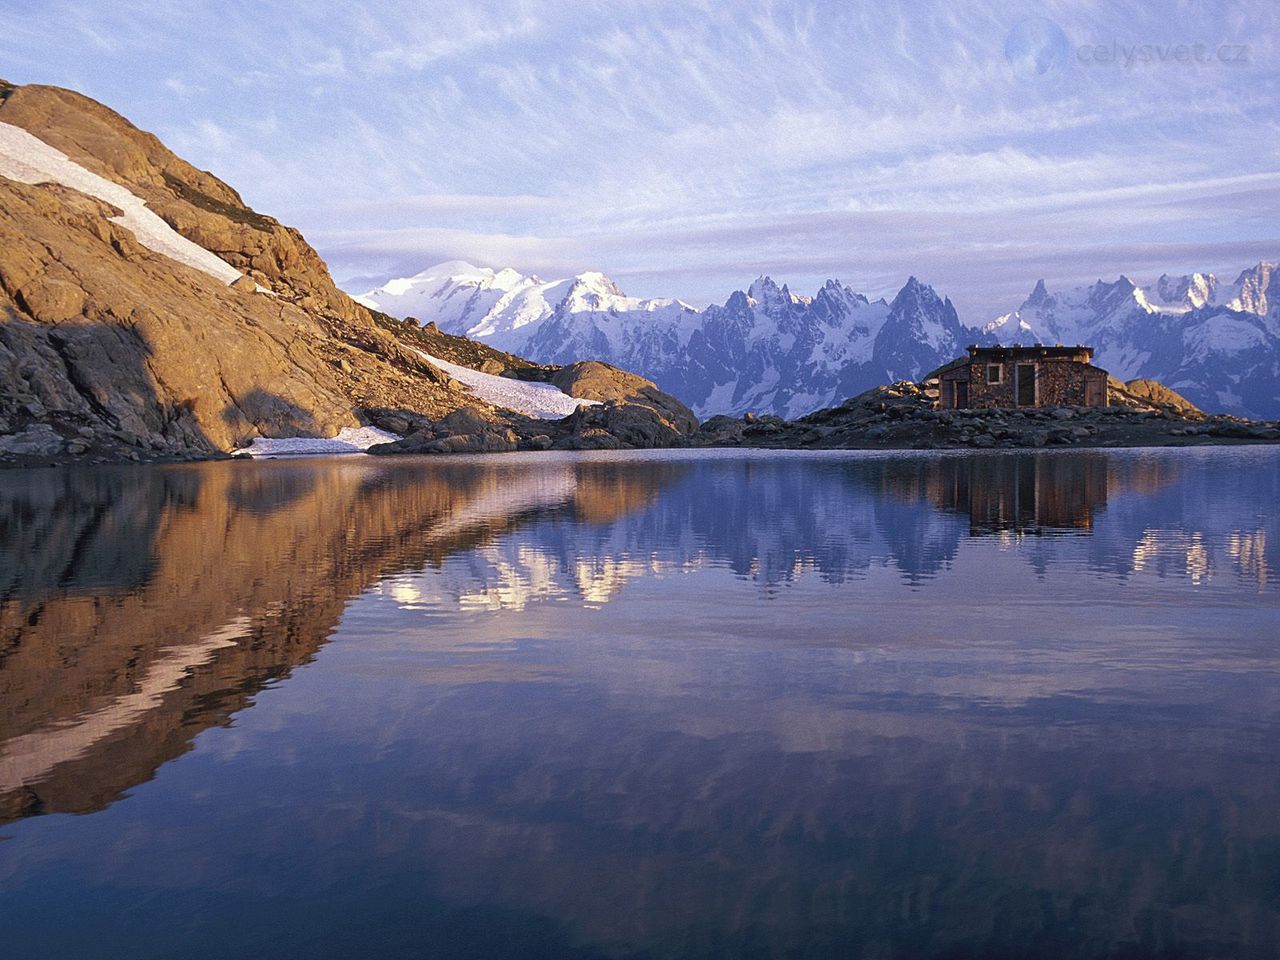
pixel 38 440
pixel 636 425
pixel 391 422
pixel 593 380
pixel 495 440
pixel 1166 398
pixel 590 438
pixel 465 420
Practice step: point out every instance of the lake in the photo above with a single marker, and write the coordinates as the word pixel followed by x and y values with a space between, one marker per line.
pixel 646 705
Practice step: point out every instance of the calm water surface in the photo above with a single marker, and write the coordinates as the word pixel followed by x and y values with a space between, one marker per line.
pixel 644 706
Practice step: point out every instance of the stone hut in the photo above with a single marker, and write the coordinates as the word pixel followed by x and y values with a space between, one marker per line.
pixel 1019 376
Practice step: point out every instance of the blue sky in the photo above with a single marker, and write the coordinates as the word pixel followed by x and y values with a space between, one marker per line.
pixel 686 147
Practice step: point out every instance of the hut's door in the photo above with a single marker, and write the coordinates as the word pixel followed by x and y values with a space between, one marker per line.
pixel 1095 392
pixel 961 388
pixel 1026 385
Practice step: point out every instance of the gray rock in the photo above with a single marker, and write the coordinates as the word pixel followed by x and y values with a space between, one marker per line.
pixel 637 425
pixel 392 422
pixel 464 420
pixel 592 438
pixel 38 440
pixel 1063 413
pixel 497 440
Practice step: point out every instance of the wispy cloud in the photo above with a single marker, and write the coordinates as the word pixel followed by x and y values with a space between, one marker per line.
pixel 688 145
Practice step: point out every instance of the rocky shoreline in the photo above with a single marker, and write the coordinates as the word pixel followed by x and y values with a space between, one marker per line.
pixel 898 417
pixel 903 417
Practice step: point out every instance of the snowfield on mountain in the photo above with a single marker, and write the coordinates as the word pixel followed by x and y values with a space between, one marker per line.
pixel 28 159
pixel 542 401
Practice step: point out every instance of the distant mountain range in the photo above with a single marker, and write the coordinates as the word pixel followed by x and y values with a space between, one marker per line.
pixel 765 349
pixel 1216 343
pixel 769 350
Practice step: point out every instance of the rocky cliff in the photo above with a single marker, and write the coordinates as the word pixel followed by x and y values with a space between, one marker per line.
pixel 117 339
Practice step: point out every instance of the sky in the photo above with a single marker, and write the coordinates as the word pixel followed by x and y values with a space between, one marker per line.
pixel 685 148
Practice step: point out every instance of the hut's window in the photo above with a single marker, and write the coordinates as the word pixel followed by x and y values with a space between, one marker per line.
pixel 994 371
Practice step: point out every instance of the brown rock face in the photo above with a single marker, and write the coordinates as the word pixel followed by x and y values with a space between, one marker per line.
pixel 1158 395
pixel 105 340
pixel 195 203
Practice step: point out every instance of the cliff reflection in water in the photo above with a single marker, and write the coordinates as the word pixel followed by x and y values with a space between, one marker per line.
pixel 1005 705
pixel 142 606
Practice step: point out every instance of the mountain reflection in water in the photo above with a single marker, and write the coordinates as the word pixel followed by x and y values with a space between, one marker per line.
pixel 645 705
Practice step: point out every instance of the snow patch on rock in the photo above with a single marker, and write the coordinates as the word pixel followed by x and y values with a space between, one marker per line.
pixel 349 440
pixel 542 401
pixel 28 159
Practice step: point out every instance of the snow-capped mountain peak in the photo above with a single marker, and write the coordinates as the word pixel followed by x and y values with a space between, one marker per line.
pixel 592 291
pixel 914 296
pixel 1256 290
pixel 920 332
pixel 1190 291
pixel 1038 296
pixel 763 290
pixel 456 268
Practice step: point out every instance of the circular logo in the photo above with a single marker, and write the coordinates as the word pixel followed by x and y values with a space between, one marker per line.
pixel 1035 48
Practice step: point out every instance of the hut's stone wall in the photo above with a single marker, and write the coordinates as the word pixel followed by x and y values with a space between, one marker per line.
pixel 991 378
